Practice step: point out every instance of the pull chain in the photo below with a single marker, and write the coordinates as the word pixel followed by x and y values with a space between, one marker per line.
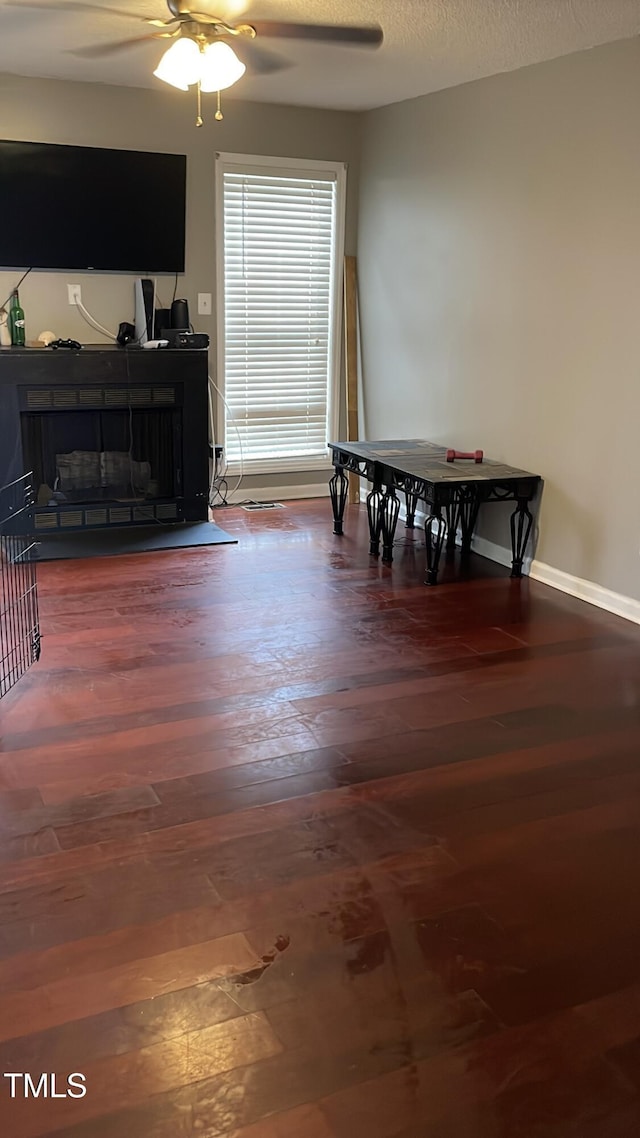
pixel 218 115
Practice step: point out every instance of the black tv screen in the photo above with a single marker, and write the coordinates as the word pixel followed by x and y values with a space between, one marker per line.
pixel 76 207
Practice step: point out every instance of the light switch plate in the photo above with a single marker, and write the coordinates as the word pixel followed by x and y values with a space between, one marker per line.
pixel 204 304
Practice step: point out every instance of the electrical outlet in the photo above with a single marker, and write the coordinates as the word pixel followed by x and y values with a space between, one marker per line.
pixel 75 294
pixel 204 304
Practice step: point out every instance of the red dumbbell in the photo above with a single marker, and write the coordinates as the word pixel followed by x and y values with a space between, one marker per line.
pixel 476 455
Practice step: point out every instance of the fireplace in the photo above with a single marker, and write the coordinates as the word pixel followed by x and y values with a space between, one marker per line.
pixel 112 438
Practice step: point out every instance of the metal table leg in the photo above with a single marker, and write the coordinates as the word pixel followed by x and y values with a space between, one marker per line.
pixel 412 503
pixel 434 543
pixel 521 522
pixel 374 512
pixel 452 510
pixel 468 507
pixel 389 517
pixel 338 487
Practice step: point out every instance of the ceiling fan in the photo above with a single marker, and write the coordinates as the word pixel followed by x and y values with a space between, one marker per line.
pixel 201 51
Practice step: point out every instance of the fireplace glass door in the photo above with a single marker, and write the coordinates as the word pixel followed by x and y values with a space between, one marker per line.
pixel 115 457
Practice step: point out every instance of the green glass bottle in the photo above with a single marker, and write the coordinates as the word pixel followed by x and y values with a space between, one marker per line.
pixel 16 321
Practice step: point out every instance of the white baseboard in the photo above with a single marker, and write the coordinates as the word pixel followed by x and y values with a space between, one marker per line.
pixel 589 591
pixel 498 553
pixel 247 492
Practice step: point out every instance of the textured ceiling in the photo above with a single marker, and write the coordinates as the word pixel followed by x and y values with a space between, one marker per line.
pixel 429 44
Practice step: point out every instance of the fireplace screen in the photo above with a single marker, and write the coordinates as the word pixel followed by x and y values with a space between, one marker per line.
pixel 19 629
pixel 101 456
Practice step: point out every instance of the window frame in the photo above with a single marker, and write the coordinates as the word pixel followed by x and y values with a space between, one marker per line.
pixel 297 167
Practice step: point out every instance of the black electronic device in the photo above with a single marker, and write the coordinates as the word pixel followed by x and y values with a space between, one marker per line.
pixel 161 319
pixel 145 300
pixel 80 207
pixel 126 334
pixel 180 314
pixel 171 334
pixel 192 340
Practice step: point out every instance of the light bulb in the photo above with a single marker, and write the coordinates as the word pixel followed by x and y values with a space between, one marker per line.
pixel 219 67
pixel 180 65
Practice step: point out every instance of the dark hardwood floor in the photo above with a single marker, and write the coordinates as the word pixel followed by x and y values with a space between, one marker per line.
pixel 294 847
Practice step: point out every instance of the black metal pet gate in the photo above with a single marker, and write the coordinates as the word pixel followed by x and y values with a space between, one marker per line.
pixel 19 627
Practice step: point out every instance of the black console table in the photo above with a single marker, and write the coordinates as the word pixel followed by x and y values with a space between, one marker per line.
pixel 453 492
pixel 114 436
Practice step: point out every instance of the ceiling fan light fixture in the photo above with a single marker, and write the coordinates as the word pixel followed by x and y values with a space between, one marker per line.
pixel 219 67
pixel 181 64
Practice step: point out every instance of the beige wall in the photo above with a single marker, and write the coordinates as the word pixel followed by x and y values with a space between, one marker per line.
pixel 499 265
pixel 87 114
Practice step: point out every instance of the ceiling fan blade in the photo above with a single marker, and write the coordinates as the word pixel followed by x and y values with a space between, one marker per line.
pixel 371 36
pixel 258 60
pixel 72 6
pixel 98 50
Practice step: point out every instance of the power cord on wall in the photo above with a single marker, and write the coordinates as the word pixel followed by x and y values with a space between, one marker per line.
pixel 219 489
pixel 89 319
pixel 16 287
pixel 219 486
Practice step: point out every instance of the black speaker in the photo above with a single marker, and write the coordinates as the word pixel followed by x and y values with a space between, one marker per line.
pixel 161 319
pixel 180 314
pixel 126 334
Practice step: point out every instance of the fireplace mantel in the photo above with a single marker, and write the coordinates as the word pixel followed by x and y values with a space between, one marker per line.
pixel 104 363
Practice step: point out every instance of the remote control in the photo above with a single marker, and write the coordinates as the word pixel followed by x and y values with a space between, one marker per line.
pixel 74 345
pixel 156 344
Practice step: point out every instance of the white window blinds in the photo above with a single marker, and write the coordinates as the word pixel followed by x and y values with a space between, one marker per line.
pixel 279 283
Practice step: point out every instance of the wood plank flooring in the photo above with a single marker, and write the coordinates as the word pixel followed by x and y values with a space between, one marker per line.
pixel 294 847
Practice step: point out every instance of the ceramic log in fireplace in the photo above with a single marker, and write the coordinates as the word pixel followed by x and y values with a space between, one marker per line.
pixel 113 436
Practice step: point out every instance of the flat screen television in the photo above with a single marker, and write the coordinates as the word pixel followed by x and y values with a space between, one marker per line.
pixel 78 207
